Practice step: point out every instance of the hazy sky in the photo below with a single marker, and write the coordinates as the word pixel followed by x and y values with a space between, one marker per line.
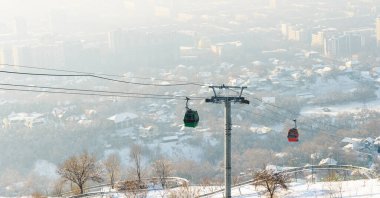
pixel 33 8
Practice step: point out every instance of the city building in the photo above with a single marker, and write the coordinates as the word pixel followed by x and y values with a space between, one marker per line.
pixel 378 32
pixel 365 35
pixel 294 33
pixel 227 50
pixel 343 45
pixel 6 55
pixel 273 4
pixel 145 46
pixel 48 55
pixel 317 39
pixel 284 29
pixel 20 27
pixel 21 55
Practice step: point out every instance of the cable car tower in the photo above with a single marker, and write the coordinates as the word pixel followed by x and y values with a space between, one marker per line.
pixel 227 140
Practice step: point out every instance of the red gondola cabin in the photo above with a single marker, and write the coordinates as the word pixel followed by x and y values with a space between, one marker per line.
pixel 293 135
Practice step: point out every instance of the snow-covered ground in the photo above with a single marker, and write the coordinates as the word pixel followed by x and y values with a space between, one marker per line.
pixel 336 109
pixel 358 188
pixel 342 108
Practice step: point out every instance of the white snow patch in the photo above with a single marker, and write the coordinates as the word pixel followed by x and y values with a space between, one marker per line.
pixel 328 161
pixel 45 168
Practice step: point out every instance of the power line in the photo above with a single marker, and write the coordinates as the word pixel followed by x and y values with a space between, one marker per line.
pixel 97 91
pixel 294 113
pixel 270 109
pixel 98 74
pixel 99 77
pixel 275 106
pixel 303 126
pixel 89 94
pixel 287 110
pixel 61 70
pixel 260 115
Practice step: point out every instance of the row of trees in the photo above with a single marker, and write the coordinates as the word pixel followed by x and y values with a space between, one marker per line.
pixel 84 168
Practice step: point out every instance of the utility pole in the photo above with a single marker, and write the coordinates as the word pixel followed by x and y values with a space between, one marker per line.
pixel 227 139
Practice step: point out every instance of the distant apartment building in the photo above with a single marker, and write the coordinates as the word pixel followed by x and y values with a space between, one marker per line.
pixel 58 21
pixel 294 33
pixel 38 55
pixel 144 47
pixel 319 36
pixel 284 29
pixel 227 50
pixel 48 55
pixel 378 32
pixel 273 4
pixel 276 4
pixel 6 56
pixel 366 39
pixel 21 55
pixel 317 39
pixel 20 27
pixel 335 44
pixel 342 46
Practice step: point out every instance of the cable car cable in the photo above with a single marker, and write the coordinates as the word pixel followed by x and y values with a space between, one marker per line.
pixel 99 77
pixel 97 91
pixel 303 126
pixel 90 94
pixel 291 112
pixel 319 126
pixel 99 74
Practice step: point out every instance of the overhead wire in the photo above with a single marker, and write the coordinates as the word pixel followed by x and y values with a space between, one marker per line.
pixel 310 127
pixel 302 126
pixel 287 110
pixel 97 91
pixel 263 116
pixel 94 92
pixel 99 74
pixel 90 94
pixel 99 77
pixel 295 115
pixel 275 106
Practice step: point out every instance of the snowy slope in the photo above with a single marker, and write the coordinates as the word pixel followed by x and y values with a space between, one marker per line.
pixel 359 188
pixel 352 189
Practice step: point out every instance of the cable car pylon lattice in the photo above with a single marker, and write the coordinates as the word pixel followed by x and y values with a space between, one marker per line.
pixel 227 100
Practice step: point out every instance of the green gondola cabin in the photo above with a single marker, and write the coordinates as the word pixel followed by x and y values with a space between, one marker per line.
pixel 191 118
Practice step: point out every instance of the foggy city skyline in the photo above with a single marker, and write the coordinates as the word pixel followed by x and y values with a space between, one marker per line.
pixel 107 78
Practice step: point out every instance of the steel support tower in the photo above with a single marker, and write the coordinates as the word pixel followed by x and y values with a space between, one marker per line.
pixel 227 140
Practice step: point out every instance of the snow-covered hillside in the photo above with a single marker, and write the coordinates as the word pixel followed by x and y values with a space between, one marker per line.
pixel 358 188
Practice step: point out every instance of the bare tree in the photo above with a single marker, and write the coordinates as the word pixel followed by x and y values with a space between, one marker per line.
pixel 185 191
pixel 132 189
pixel 58 187
pixel 38 195
pixel 162 168
pixel 236 181
pixel 112 167
pixel 81 169
pixel 270 181
pixel 135 155
pixel 209 185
